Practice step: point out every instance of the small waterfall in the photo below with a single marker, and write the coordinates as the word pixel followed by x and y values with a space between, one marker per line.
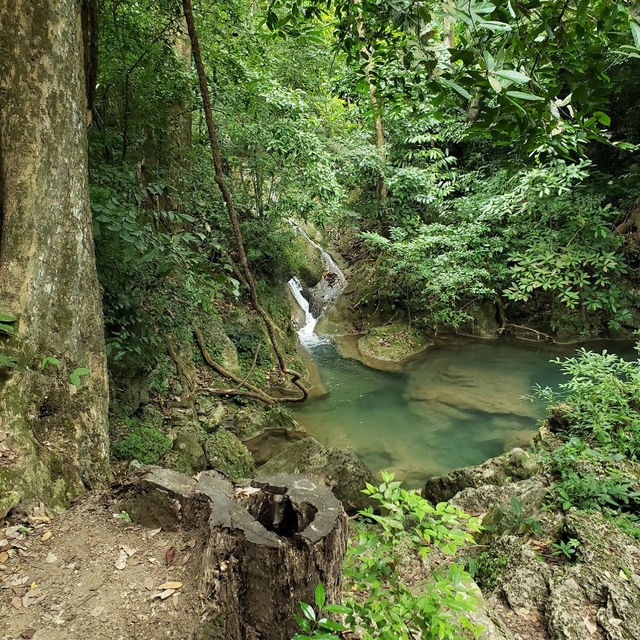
pixel 315 301
pixel 306 333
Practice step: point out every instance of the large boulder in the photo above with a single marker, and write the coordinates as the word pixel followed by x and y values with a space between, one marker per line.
pixel 187 455
pixel 225 453
pixel 342 471
pixel 516 464
pixel 395 343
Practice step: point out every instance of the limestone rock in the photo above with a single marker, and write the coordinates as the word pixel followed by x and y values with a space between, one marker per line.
pixel 211 413
pixel 396 343
pixel 342 471
pixel 225 453
pixel 187 455
pixel 516 464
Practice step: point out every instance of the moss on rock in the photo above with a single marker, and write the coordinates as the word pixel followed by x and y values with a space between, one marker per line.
pixel 395 342
pixel 224 452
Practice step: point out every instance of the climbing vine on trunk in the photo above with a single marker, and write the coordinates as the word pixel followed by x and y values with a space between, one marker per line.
pixel 233 218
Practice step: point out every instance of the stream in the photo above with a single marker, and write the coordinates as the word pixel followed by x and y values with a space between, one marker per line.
pixel 458 404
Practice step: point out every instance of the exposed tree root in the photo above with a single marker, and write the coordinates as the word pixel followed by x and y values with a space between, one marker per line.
pixel 504 325
pixel 233 218
pixel 251 392
pixel 540 335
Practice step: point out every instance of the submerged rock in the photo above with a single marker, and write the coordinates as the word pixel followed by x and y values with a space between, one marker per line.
pixel 342 471
pixel 474 385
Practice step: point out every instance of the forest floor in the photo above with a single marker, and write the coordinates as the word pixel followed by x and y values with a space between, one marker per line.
pixel 89 574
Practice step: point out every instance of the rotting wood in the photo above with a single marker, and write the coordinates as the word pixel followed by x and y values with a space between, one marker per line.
pixel 264 544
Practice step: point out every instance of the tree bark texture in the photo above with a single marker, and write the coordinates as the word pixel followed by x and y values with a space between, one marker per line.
pixel 56 433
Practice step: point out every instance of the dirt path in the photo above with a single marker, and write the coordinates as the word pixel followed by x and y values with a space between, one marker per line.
pixel 89 575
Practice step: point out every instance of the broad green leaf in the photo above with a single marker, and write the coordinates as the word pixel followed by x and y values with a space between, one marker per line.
pixel 495 83
pixel 5 317
pixel 602 118
pixel 494 25
pixel 524 96
pixel 320 596
pixel 456 87
pixel 635 32
pixel 308 611
pixel 7 361
pixel 515 76
pixel 75 376
pixel 488 60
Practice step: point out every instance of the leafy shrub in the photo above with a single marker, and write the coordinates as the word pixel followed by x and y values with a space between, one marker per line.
pixel 603 390
pixel 589 466
pixel 143 443
pixel 389 608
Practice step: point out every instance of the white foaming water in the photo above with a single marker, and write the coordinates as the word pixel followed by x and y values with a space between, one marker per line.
pixel 323 294
pixel 307 335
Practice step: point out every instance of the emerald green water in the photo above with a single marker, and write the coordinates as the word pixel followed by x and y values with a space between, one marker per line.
pixel 457 406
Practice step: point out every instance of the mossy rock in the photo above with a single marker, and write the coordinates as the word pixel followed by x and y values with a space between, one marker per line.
pixel 211 413
pixel 396 343
pixel 187 454
pixel 225 453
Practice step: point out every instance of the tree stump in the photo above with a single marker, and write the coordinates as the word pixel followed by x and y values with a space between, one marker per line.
pixel 265 544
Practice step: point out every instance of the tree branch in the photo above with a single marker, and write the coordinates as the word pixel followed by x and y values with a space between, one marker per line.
pixel 226 196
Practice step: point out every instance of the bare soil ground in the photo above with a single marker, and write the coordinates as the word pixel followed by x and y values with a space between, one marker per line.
pixel 89 575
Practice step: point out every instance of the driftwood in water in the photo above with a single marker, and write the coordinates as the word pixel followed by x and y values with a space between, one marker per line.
pixel 264 544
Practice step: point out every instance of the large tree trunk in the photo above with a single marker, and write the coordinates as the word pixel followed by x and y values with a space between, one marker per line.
pixel 54 434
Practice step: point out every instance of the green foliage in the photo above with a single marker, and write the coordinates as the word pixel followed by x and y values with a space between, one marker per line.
pixel 567 548
pixel 603 391
pixel 590 466
pixel 141 442
pixel 49 360
pixel 514 522
pixel 124 516
pixel 486 568
pixel 8 361
pixel 538 237
pixel 77 374
pixel 409 526
pixel 7 322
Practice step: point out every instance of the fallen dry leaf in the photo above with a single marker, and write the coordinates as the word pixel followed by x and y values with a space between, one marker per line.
pixel 591 627
pixel 170 556
pixel 16 603
pixel 51 557
pixel 128 550
pixel 46 536
pixel 170 585
pixel 166 593
pixel 28 633
pixel 4 556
